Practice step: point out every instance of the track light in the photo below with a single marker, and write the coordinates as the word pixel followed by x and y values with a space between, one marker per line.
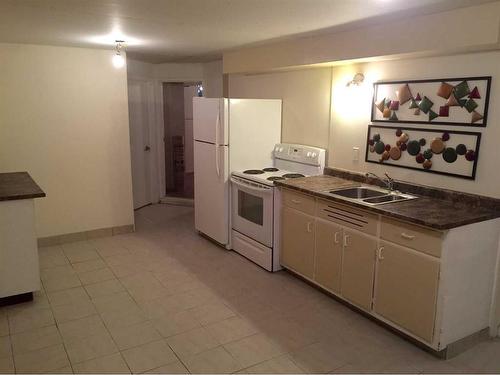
pixel 118 59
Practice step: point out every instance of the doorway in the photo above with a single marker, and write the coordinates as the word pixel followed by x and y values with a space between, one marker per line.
pixel 178 138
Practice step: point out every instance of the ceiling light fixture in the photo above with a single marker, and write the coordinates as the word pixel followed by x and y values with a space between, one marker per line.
pixel 357 80
pixel 118 59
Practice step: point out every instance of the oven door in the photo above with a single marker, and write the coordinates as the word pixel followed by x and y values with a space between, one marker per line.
pixel 252 210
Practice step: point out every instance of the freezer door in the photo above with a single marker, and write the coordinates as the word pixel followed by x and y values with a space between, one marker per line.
pixel 255 130
pixel 211 191
pixel 210 120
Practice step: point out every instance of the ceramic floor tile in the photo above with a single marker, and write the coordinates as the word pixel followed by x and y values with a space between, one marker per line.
pixel 91 347
pixel 213 361
pixel 6 365
pixel 68 297
pixel 278 365
pixel 135 335
pixel 149 356
pixel 65 313
pixel 57 272
pixel 212 313
pixel 96 276
pixel 192 342
pixel 111 364
pixel 89 265
pixel 104 288
pixel 117 318
pixel 173 324
pixel 253 349
pixel 172 368
pixel 232 329
pixel 52 257
pixel 35 339
pixel 82 255
pixel 114 302
pixel 4 324
pixel 322 357
pixel 25 320
pixel 43 360
pixel 53 284
pixel 5 347
pixel 81 328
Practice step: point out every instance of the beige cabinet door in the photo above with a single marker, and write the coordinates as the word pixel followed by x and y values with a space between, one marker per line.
pixel 297 251
pixel 328 257
pixel 406 288
pixel 358 268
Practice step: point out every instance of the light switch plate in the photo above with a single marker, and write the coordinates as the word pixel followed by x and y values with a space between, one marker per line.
pixel 355 153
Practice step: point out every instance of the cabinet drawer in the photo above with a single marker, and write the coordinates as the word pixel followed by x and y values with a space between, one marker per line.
pixel 426 240
pixel 347 216
pixel 301 202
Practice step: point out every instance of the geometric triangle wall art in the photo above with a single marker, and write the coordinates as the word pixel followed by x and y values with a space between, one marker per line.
pixel 460 101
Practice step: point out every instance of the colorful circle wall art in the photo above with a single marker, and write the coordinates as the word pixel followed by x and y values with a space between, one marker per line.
pixel 437 151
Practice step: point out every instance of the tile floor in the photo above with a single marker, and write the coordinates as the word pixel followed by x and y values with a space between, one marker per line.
pixel 165 300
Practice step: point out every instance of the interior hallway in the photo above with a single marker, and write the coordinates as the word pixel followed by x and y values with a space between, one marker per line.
pixel 166 300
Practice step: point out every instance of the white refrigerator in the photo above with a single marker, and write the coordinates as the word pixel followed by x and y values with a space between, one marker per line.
pixel 229 134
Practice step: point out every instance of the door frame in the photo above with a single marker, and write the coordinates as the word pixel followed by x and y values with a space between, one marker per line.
pixel 156 131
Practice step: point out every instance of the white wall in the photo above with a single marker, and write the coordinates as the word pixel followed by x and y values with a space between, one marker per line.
pixel 64 119
pixel 306 101
pixel 351 114
pixel 212 79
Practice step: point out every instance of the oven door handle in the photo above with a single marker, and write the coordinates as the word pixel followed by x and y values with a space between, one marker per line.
pixel 251 186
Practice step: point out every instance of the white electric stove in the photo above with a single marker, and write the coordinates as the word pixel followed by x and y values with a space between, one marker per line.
pixel 255 214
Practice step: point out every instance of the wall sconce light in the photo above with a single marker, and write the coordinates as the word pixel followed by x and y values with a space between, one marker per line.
pixel 357 80
pixel 118 59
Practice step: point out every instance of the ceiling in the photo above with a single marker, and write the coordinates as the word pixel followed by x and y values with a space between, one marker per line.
pixel 191 30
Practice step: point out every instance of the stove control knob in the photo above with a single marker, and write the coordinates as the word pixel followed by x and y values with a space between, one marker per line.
pixel 309 154
pixel 314 154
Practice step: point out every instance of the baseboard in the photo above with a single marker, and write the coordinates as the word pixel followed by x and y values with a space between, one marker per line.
pixel 86 235
pixel 460 346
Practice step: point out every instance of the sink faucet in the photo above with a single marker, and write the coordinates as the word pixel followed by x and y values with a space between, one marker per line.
pixel 388 181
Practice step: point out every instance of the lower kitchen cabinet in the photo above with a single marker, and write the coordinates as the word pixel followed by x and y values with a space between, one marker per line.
pixel 328 263
pixel 297 250
pixel 358 268
pixel 406 288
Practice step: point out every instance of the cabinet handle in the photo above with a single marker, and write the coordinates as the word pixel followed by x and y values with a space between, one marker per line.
pixel 336 237
pixel 309 227
pixel 296 201
pixel 380 255
pixel 346 240
pixel 407 236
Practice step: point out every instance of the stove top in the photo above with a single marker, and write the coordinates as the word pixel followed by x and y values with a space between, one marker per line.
pixel 267 176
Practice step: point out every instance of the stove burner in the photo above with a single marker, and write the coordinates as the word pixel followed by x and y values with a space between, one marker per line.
pixel 271 169
pixel 293 175
pixel 253 171
pixel 275 178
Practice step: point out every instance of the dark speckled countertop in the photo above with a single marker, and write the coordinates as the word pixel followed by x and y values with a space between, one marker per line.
pixel 18 185
pixel 426 211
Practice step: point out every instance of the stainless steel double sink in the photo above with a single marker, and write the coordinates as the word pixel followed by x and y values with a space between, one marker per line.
pixel 370 195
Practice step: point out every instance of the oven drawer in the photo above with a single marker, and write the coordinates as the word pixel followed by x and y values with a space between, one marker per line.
pixel 425 240
pixel 250 249
pixel 301 202
pixel 347 216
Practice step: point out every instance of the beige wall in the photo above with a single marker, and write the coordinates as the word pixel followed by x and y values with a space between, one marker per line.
pixel 349 123
pixel 306 101
pixel 64 119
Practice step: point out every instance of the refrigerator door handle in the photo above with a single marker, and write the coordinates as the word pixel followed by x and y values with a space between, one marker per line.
pixel 217 124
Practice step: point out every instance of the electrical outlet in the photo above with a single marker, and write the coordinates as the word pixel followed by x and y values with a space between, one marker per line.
pixel 355 153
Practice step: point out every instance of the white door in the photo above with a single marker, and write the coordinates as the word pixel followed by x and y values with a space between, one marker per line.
pixel 211 196
pixel 208 120
pixel 140 149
